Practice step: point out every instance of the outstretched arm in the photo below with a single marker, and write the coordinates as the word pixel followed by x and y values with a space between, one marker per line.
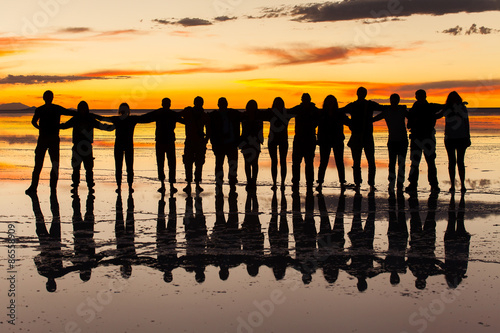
pixel 70 123
pixel 378 117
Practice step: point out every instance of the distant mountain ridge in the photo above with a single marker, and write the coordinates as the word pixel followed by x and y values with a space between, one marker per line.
pixel 15 107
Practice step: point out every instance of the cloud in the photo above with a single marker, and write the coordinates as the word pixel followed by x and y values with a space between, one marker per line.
pixel 185 22
pixel 75 30
pixel 473 30
pixel 298 56
pixel 42 79
pixel 375 9
pixel 224 18
pixel 112 73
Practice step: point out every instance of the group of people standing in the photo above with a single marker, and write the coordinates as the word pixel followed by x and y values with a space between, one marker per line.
pixel 230 130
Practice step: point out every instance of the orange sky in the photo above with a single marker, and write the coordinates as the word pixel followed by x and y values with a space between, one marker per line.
pixel 247 50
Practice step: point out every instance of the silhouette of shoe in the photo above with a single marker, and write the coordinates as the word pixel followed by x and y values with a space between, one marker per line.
pixel 172 189
pixel 319 188
pixel 373 188
pixel 118 190
pixel 452 189
pixel 411 188
pixel 187 189
pixel 30 190
pixel 274 187
pixel 161 189
pixel 463 189
pixel 435 189
pixel 91 190
pixel 130 189
pixel 199 189
pixel 74 189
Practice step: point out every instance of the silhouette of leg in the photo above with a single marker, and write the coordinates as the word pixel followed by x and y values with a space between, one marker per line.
pixel 452 162
pixel 88 163
pixel 172 162
pixel 356 165
pixel 369 148
pixel 40 150
pixel 324 154
pixel 232 160
pixel 160 161
pixel 338 153
pixel 54 159
pixel 297 155
pixel 461 166
pixel 392 148
pixel 309 162
pixel 219 167
pixel 129 161
pixel 76 162
pixel 430 158
pixel 118 166
pixel 273 155
pixel 415 157
pixel 283 151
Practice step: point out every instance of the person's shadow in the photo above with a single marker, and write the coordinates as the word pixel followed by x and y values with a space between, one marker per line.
pixel 166 241
pixel 195 226
pixel 49 262
pixel 456 244
pixel 252 238
pixel 278 237
pixel 397 234
pixel 331 240
pixel 125 236
pixel 83 233
pixel 422 260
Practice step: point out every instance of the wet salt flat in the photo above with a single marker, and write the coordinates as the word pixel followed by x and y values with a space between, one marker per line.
pixel 273 262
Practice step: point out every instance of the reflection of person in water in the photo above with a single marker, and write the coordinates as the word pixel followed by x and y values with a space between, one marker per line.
pixel 397 235
pixel 196 239
pixel 362 255
pixel 49 262
pixel 225 242
pixel 331 241
pixel 125 235
pixel 83 124
pixel 83 233
pixel 304 232
pixel 278 237
pixel 46 119
pixel 252 238
pixel 165 119
pixel 166 241
pixel 421 257
pixel 456 244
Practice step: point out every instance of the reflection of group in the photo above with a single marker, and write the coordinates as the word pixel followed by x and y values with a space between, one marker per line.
pixel 231 242
pixel 229 130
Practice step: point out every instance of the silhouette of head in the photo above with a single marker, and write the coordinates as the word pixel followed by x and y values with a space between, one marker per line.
pixel 278 103
pixel 126 270
pixel 167 276
pixel 48 96
pixel 420 95
pixel 394 278
pixel 51 285
pixel 253 269
pixel 306 98
pixel 362 284
pixel 306 278
pixel 420 283
pixel 361 93
pixel 124 109
pixel 453 280
pixel 251 106
pixel 394 99
pixel 331 274
pixel 199 275
pixel 224 273
pixel 222 103
pixel 453 98
pixel 165 103
pixel 198 101
pixel 85 275
pixel 83 107
pixel 330 103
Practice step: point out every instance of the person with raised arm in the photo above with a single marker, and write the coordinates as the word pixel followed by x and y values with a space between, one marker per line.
pixel 421 123
pixel 277 140
pixel 304 142
pixel 361 112
pixel 251 141
pixel 47 119
pixel 166 120
pixel 83 124
pixel 331 136
pixel 124 143
pixel 195 144
pixel 224 132
pixel 397 144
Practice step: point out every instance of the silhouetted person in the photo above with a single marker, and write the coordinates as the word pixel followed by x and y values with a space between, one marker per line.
pixel 331 137
pixel 277 139
pixel 361 112
pixel 304 233
pixel 195 145
pixel 49 262
pixel 165 119
pixel 397 144
pixel 456 137
pixel 83 233
pixel 225 137
pixel 304 142
pixel 362 254
pixel 125 235
pixel 278 237
pixel 251 141
pixel 331 240
pixel 421 255
pixel 397 234
pixel 252 238
pixel 47 119
pixel 456 244
pixel 421 123
pixel 196 239
pixel 166 241
pixel 83 124
pixel 124 143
